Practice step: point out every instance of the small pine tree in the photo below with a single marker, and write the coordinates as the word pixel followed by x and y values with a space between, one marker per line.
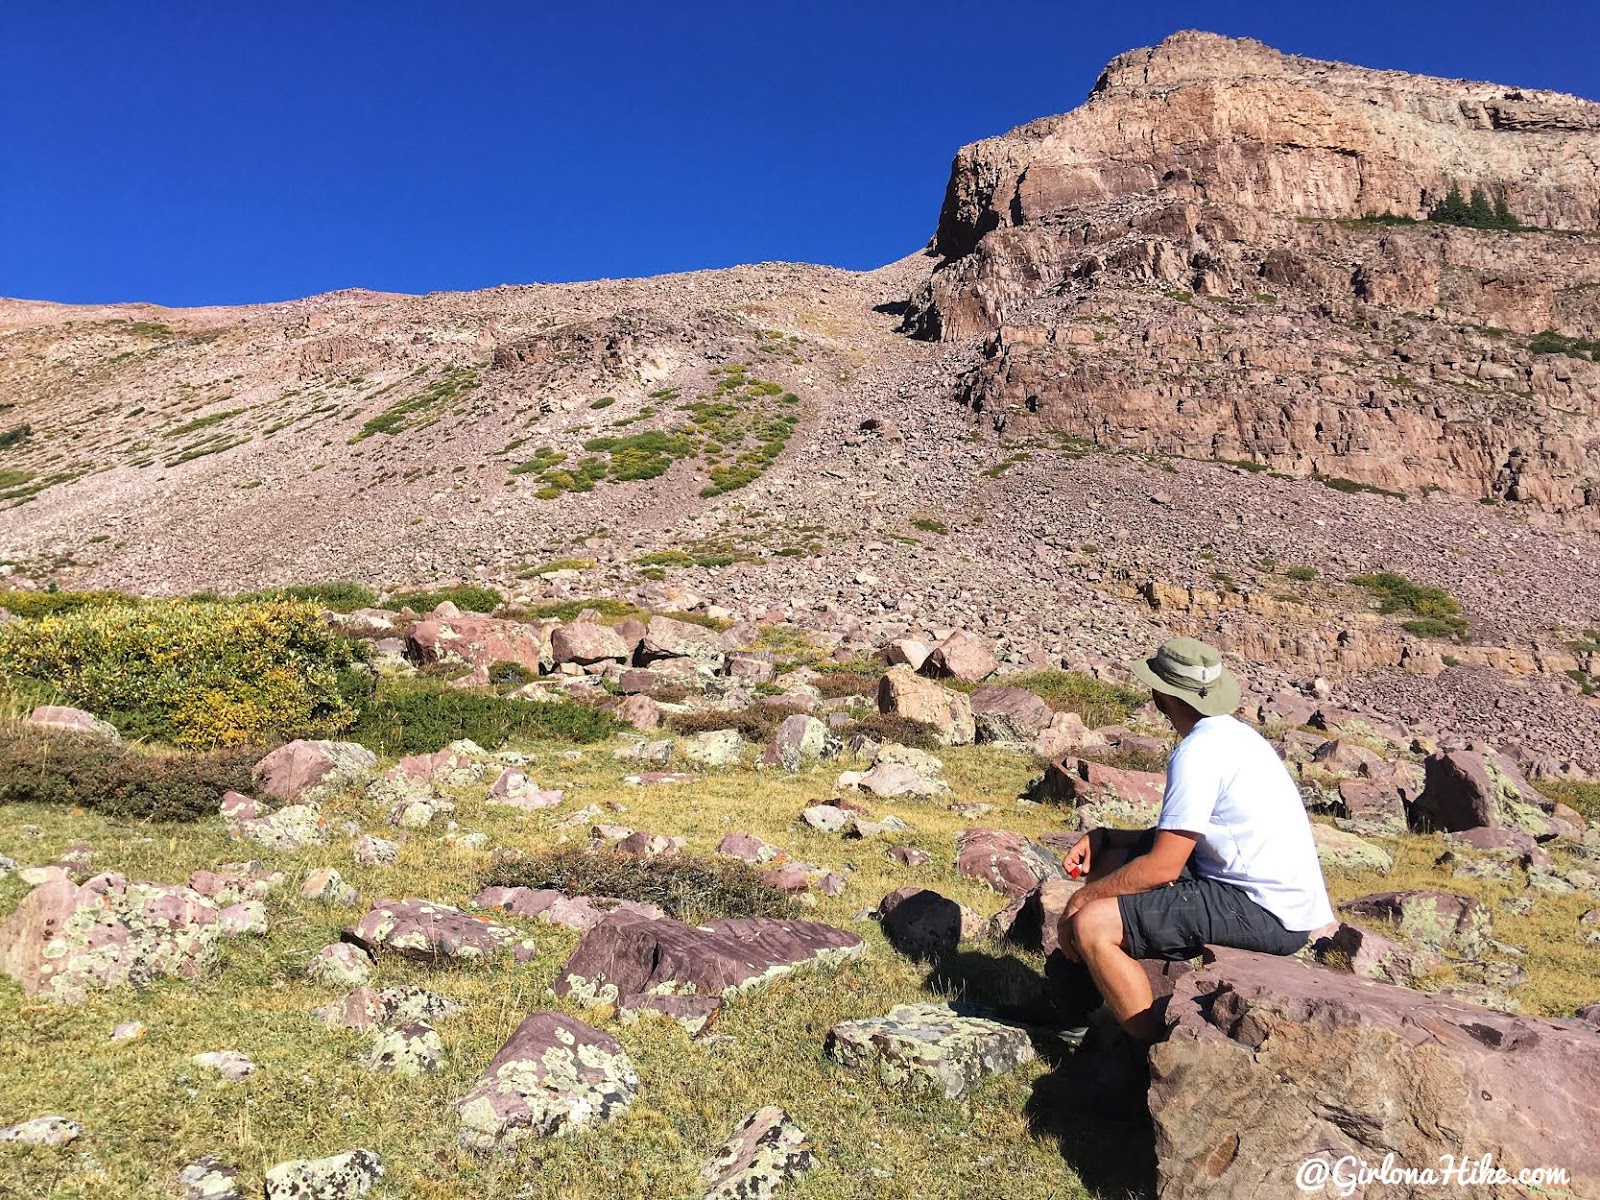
pixel 1480 213
pixel 1452 210
pixel 1504 218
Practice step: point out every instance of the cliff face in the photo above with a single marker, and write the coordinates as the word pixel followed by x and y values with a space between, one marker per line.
pixel 1187 264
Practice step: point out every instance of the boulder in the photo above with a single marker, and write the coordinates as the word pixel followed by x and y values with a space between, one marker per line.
pixel 245 917
pixel 923 924
pixel 1373 956
pixel 408 1049
pixel 1338 848
pixel 1271 1061
pixel 586 642
pixel 825 818
pixel 1006 861
pixel 898 779
pixel 328 887
pixel 209 1178
pixel 553 1076
pixel 427 932
pixel 230 1064
pixel 962 655
pixel 367 1008
pixel 715 748
pixel 1034 920
pixel 1066 734
pixel 765 1151
pixel 907 652
pixel 290 828
pixel 478 643
pixel 312 770
pixel 555 908
pixel 639 711
pixel 65 941
pixel 1009 715
pixel 903 693
pixel 513 789
pixel 42 1131
pixel 342 1177
pixel 340 964
pixel 949 1047
pixel 799 739
pixel 748 848
pixel 628 955
pixel 666 638
pixel 1467 788
pixel 372 851
pixel 1442 921
pixel 751 666
pixel 1119 797
pixel 62 719
pixel 232 882
pixel 1377 802
pixel 909 856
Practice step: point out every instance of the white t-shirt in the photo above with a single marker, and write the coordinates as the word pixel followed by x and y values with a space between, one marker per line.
pixel 1226 783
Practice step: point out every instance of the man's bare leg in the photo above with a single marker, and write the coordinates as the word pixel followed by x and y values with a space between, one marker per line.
pixel 1097 933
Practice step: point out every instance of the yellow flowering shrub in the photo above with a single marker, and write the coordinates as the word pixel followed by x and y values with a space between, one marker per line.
pixel 199 675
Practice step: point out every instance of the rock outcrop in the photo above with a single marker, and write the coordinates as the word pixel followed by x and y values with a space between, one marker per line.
pixel 1270 1062
pixel 1087 249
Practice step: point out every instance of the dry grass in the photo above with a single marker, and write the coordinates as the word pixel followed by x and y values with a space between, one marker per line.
pixel 147 1111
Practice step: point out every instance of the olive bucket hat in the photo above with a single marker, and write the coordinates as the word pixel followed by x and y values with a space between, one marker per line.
pixel 1193 672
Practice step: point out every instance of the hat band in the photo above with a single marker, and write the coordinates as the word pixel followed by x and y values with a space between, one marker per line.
pixel 1202 675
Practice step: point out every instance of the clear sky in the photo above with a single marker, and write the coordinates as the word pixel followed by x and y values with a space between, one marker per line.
pixel 227 151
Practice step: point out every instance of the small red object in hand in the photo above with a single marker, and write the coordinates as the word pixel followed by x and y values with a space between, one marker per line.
pixel 1076 870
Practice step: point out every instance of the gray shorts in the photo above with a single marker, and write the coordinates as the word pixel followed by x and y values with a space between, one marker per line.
pixel 1174 921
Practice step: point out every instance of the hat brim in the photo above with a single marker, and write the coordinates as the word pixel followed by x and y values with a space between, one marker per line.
pixel 1221 698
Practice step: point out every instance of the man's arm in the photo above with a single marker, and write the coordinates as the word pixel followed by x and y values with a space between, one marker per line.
pixel 1159 867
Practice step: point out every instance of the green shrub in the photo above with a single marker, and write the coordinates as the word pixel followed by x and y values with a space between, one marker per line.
pixel 890 727
pixel 1098 701
pixel 15 436
pixel 197 675
pixel 42 604
pixel 688 887
pixel 40 767
pixel 339 596
pixel 418 717
pixel 928 525
pixel 568 610
pixel 1475 212
pixel 1352 487
pixel 1435 613
pixel 603 402
pixel 1551 342
pixel 467 597
pixel 1301 574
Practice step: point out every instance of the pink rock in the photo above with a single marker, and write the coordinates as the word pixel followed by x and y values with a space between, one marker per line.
pixel 639 711
pixel 909 856
pixel 304 770
pixel 480 642
pixel 1079 781
pixel 1006 861
pixel 748 848
pixel 237 809
pixel 513 789
pixel 63 719
pixel 962 655
pixel 586 642
pixel 1009 714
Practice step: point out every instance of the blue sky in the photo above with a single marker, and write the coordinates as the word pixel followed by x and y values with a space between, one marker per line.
pixel 228 152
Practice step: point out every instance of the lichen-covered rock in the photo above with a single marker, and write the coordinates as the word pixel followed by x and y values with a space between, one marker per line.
pixel 65 941
pixel 715 748
pixel 230 1064
pixel 42 1131
pixel 1468 788
pixel 962 655
pixel 800 739
pixel 248 917
pixel 342 1177
pixel 1373 956
pixel 371 1008
pixel 1270 1061
pixel 327 886
pixel 693 1013
pixel 1006 861
pixel 899 779
pixel 628 955
pixel 825 818
pixel 554 1075
pixel 410 1048
pixel 209 1178
pixel 60 718
pixel 292 827
pixel 586 642
pixel 1131 798
pixel 312 770
pixel 428 932
pixel 1442 921
pixel 666 638
pixel 556 908
pixel 1338 848
pixel 1010 716
pixel 479 642
pixel 340 964
pixel 766 1150
pixel 950 1046
pixel 372 851
pixel 236 881
pixel 513 789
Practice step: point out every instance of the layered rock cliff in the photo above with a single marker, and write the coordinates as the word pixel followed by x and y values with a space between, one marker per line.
pixel 1224 253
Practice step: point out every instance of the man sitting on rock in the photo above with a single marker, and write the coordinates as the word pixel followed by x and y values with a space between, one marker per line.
pixel 1231 861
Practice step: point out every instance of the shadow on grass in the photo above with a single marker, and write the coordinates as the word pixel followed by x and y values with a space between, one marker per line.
pixel 1092 1103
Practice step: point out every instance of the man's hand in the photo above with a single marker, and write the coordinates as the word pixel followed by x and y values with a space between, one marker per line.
pixel 1076 860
